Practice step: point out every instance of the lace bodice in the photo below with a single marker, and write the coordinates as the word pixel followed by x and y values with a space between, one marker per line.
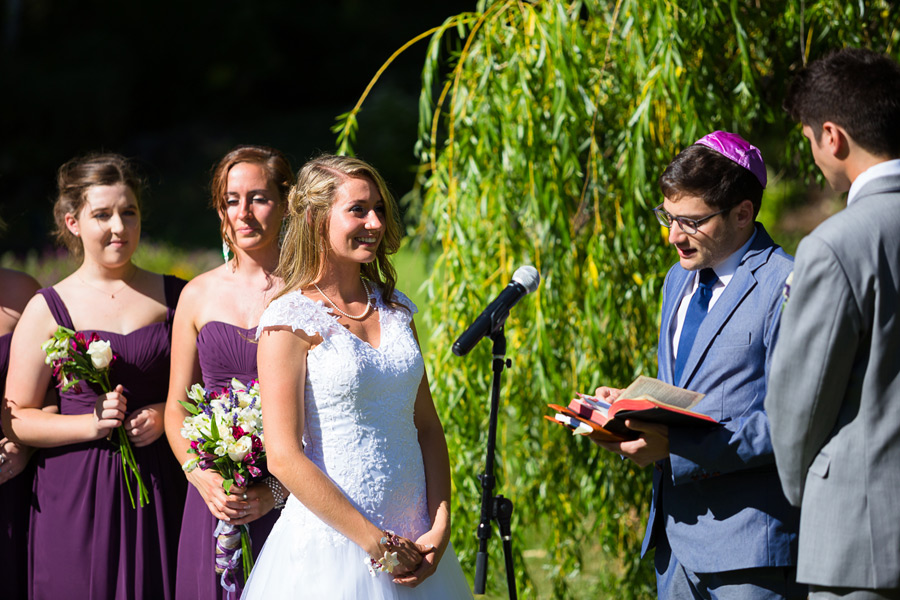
pixel 359 403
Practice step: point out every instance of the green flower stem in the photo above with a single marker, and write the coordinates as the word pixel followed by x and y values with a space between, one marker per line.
pixel 129 463
pixel 246 552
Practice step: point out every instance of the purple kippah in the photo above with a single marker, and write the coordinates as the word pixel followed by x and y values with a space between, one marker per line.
pixel 739 150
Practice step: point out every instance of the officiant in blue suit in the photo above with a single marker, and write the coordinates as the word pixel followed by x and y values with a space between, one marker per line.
pixel 719 521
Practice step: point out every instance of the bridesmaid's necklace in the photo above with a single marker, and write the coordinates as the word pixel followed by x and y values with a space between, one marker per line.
pixel 358 317
pixel 112 295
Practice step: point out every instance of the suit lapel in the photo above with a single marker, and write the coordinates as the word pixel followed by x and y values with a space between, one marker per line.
pixel 741 284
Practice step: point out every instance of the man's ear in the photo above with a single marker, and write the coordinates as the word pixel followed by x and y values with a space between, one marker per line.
pixel 834 140
pixel 744 213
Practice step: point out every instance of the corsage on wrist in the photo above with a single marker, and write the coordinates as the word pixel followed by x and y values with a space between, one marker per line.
pixel 389 561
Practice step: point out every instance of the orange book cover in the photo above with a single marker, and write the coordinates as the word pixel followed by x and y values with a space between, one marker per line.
pixel 646 399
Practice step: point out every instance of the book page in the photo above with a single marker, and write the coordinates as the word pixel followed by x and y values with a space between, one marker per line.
pixel 654 389
pixel 595 403
pixel 577 427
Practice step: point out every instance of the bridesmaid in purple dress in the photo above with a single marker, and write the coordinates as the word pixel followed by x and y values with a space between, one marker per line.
pixel 86 540
pixel 15 472
pixel 213 341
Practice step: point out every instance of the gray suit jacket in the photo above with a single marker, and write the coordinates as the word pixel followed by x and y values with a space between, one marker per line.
pixel 834 394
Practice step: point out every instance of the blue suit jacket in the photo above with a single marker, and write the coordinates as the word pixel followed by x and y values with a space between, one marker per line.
pixel 718 495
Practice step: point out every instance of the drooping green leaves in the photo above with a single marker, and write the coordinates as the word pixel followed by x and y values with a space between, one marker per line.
pixel 544 126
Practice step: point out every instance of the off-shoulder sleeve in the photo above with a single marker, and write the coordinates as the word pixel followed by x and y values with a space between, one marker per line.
pixel 296 311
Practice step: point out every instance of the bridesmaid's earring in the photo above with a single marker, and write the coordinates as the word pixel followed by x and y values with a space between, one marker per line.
pixel 226 251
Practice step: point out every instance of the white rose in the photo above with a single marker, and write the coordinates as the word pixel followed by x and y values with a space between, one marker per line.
pixel 238 450
pixel 101 354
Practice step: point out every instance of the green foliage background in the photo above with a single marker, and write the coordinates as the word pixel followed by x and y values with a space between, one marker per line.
pixel 543 128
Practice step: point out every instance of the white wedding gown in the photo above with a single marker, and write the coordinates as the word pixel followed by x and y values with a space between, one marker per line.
pixel 358 430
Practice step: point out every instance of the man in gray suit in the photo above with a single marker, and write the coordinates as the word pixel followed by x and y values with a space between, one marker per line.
pixel 834 391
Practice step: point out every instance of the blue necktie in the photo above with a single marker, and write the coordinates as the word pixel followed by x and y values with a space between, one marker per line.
pixel 697 308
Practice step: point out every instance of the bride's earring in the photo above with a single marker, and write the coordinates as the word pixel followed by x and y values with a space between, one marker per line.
pixel 226 251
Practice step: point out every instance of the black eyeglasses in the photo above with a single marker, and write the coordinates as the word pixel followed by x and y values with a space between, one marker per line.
pixel 689 226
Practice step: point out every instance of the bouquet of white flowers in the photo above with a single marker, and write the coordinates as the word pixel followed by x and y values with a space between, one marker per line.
pixel 76 358
pixel 226 433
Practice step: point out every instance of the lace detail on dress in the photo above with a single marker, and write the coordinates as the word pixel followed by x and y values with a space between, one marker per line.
pixel 359 409
pixel 299 312
pixel 392 315
pixel 359 429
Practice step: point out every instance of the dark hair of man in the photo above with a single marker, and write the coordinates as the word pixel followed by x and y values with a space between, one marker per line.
pixel 702 172
pixel 856 89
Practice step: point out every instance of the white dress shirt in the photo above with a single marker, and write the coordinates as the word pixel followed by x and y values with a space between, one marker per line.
pixel 724 271
pixel 884 169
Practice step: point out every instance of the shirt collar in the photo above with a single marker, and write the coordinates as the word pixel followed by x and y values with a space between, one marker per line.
pixel 882 169
pixel 725 269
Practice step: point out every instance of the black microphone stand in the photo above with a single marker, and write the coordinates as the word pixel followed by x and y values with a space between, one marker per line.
pixel 494 507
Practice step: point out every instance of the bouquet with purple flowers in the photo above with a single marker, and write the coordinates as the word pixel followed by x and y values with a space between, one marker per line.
pixel 76 358
pixel 225 431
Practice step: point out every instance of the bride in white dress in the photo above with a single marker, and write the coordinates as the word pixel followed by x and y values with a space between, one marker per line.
pixel 350 426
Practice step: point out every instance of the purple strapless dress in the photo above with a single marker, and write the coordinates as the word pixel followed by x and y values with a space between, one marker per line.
pixel 86 541
pixel 15 500
pixel 225 351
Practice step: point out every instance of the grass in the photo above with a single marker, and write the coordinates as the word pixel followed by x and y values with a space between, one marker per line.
pixel 51 266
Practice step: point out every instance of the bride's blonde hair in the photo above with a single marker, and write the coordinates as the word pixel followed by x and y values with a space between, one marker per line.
pixel 309 202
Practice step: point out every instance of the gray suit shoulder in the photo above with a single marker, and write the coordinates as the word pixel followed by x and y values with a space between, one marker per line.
pixel 874 212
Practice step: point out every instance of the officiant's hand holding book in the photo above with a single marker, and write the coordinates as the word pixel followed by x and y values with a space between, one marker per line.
pixel 646 399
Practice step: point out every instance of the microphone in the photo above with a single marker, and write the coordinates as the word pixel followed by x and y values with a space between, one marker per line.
pixel 524 281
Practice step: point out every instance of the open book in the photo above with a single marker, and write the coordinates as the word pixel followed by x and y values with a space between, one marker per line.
pixel 646 399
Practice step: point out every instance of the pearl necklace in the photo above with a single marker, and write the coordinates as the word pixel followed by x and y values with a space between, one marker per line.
pixel 358 317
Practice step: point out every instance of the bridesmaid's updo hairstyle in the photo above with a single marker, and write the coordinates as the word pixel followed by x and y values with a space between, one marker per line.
pixel 277 168
pixel 305 245
pixel 80 174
